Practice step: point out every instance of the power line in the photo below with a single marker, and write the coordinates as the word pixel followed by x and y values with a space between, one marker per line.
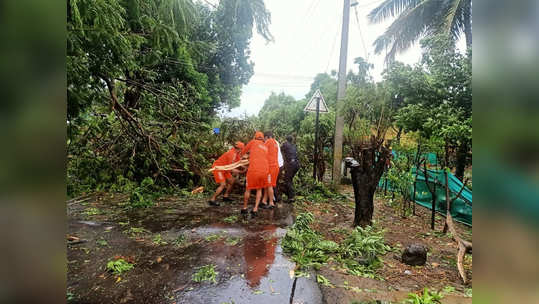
pixel 361 36
pixel 332 49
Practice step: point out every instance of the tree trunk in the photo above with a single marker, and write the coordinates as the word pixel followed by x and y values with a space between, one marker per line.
pixel 468 24
pixel 446 156
pixel 399 133
pixel 364 206
pixel 462 153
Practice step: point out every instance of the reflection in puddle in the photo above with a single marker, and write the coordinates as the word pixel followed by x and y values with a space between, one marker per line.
pixel 259 254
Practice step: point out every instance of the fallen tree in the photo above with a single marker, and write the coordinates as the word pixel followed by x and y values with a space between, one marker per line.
pixel 463 245
pixel 240 163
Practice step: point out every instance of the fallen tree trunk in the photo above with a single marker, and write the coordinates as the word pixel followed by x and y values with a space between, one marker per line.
pixel 463 245
pixel 243 162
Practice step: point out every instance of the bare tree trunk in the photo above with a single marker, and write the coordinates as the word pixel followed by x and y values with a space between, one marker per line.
pixel 468 24
pixel 462 154
pixel 364 207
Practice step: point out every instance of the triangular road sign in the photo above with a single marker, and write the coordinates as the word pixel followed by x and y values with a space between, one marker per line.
pixel 311 105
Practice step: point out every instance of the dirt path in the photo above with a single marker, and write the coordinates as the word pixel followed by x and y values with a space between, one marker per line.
pixel 169 242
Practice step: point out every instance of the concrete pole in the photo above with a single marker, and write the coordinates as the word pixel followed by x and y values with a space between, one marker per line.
pixel 341 91
pixel 317 128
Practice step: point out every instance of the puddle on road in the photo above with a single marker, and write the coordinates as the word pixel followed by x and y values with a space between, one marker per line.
pixel 263 277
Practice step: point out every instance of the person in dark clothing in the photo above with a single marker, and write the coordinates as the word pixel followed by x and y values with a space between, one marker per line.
pixel 291 166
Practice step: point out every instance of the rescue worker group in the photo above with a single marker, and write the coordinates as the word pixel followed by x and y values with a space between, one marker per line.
pixel 270 171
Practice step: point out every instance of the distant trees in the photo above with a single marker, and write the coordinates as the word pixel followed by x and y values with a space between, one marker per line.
pixel 436 97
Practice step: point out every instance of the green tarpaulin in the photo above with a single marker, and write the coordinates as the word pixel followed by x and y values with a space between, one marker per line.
pixel 461 208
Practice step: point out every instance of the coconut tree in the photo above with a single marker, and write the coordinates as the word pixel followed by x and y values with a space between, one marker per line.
pixel 418 18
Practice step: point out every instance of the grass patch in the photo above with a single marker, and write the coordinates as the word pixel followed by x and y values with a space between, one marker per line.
pixel 119 266
pixel 206 273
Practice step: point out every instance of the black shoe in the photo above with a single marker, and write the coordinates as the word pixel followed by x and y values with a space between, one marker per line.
pixel 265 206
pixel 254 213
pixel 227 199
pixel 213 203
pixel 271 207
pixel 243 211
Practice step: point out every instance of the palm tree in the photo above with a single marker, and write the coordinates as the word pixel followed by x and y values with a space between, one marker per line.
pixel 244 14
pixel 419 18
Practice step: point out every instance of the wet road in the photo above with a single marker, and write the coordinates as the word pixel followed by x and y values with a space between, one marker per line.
pixel 168 243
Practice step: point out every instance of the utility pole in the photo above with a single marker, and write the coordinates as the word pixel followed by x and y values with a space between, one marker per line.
pixel 341 91
pixel 316 137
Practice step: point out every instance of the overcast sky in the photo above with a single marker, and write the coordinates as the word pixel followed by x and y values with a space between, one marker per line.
pixel 307 42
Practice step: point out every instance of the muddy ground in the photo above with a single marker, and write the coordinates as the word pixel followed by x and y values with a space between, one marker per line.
pixel 169 242
pixel 334 218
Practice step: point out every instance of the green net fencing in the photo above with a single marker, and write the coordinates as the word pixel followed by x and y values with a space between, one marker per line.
pixel 461 208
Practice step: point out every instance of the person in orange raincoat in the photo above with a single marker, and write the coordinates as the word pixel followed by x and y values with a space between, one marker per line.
pixel 257 177
pixel 273 164
pixel 224 177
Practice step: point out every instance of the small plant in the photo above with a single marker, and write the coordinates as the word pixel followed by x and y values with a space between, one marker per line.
pixel 119 266
pixel 427 297
pixel 157 240
pixel 232 241
pixel 135 231
pixel 180 240
pixel 448 289
pixel 323 280
pixel 231 219
pixel 212 237
pixel 102 242
pixel 206 273
pixel 468 292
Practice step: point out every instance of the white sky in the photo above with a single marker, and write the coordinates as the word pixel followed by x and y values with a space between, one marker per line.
pixel 307 42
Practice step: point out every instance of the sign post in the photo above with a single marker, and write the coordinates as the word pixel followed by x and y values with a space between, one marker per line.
pixel 316 104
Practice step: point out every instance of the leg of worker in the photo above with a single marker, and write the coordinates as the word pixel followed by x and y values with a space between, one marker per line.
pixel 257 200
pixel 229 186
pixel 277 190
pixel 270 195
pixel 293 172
pixel 264 196
pixel 218 191
pixel 288 180
pixel 246 198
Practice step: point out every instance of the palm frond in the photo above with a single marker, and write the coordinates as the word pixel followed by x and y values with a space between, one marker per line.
pixel 410 26
pixel 453 22
pixel 391 8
